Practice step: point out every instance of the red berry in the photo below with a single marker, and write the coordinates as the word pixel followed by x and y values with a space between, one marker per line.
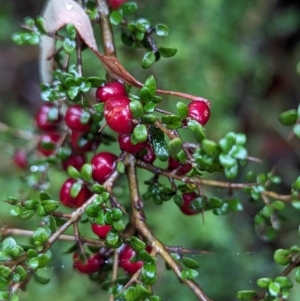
pixel 147 154
pixel 124 260
pixel 126 145
pixel 187 199
pixel 103 165
pixel 20 159
pixel 110 90
pixel 199 111
pixel 74 118
pixel 182 168
pixel 117 114
pixel 92 265
pixel 83 141
pixel 47 117
pixel 75 160
pixel 115 4
pixel 73 202
pixel 47 143
pixel 101 230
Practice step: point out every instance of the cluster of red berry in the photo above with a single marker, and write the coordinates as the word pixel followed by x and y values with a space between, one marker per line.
pixel 83 139
pixel 94 262
pixel 81 126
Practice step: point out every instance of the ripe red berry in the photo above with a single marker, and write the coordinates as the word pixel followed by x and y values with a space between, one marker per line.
pixel 75 160
pixel 110 90
pixel 126 145
pixel 147 154
pixel 187 199
pixel 47 143
pixel 124 260
pixel 73 202
pixel 74 118
pixel 47 117
pixel 101 230
pixel 92 264
pixel 182 169
pixel 83 141
pixel 199 111
pixel 115 4
pixel 20 159
pixel 103 165
pixel 117 114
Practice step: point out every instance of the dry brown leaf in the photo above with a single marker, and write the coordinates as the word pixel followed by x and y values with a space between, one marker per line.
pixel 59 13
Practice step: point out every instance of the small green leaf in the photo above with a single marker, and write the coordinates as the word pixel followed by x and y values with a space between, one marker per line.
pixel 8 244
pixel 136 108
pixel 99 107
pixel 129 8
pixel 148 60
pixel 71 30
pixel 40 24
pixel 150 83
pixel 296 184
pixel 112 239
pixel 274 289
pixel 69 45
pixel 282 256
pixel 189 274
pixel 182 109
pixel 40 279
pixel 167 51
pixel 120 167
pixel 231 172
pixel 175 146
pixel 296 130
pixel 115 17
pixel 149 273
pixel 246 295
pixel 75 189
pixel 31 204
pixel 146 95
pixel 86 171
pixel 190 263
pixel 288 117
pixel 4 271
pixel 263 282
pixel 142 292
pixel 73 172
pixel 161 30
pixel 140 133
pixel 98 189
pixel 197 129
pixel 172 121
pixel 130 294
pixel 159 144
pixel 95 81
pixel 297 275
pixel 49 205
pixel 142 25
pixel 136 244
pixel 73 92
pixel 40 236
pixel 284 282
pixel 227 160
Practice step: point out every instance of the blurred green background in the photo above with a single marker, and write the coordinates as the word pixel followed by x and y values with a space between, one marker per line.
pixel 241 55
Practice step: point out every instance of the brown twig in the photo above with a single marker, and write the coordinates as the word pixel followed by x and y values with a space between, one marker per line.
pixel 138 219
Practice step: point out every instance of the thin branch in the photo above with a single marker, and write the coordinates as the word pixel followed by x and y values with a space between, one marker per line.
pixel 16 132
pixel 138 219
pixel 106 29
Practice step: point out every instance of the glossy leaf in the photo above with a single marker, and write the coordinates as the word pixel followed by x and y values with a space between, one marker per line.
pixel 190 263
pixel 246 295
pixel 189 274
pixel 288 117
pixel 159 144
pixel 161 30
pixel 136 108
pixel 167 52
pixel 115 17
pixel 148 60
